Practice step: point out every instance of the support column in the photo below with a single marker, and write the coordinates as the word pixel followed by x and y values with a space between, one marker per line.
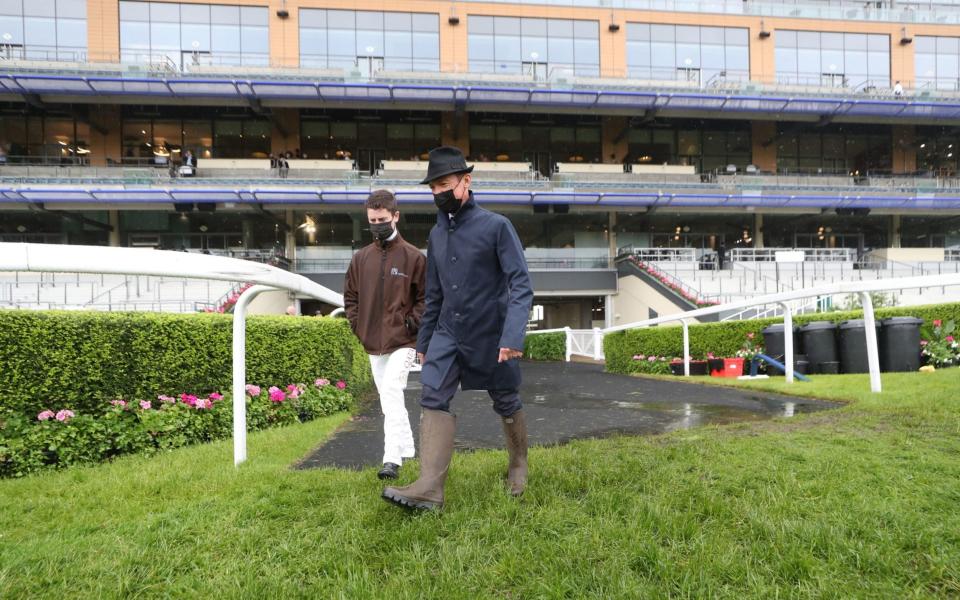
pixel 615 139
pixel 764 145
pixel 612 233
pixel 290 237
pixel 286 131
pixel 105 135
pixel 455 130
pixel 904 150
pixel 758 230
pixel 114 220
pixel 895 236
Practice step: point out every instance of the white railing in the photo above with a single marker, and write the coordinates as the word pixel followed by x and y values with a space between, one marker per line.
pixel 660 254
pixel 951 254
pixel 810 254
pixel 784 299
pixel 46 258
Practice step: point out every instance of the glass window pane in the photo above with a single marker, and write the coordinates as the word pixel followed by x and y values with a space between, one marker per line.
pixel 426 45
pixel 534 48
pixel 786 61
pixel 738 59
pixel 586 52
pixel 508 50
pixel 506 26
pixel 878 43
pixel 559 28
pixel 13 7
pixel 253 40
pixel 831 41
pixel 40 31
pixel 13 26
pixel 638 31
pixel 194 13
pixel 71 9
pixel 688 34
pixel 225 39
pixel 560 51
pixel 71 33
pixel 480 25
pixel 947 45
pixel 341 20
pixel 369 20
pixel 369 43
pixel 164 12
pixel 926 65
pixel 662 33
pixel 342 42
pixel 480 49
pixel 855 41
pixel 426 22
pixel 855 63
pixel 191 34
pixel 737 37
pixel 165 36
pixel 786 39
pixel 638 54
pixel 398 44
pixel 398 22
pixel 586 29
pixel 135 36
pixel 533 28
pixel 711 35
pixel 253 15
pixel 808 40
pixel 688 55
pixel 925 44
pixel 225 15
pixel 832 61
pixel 40 8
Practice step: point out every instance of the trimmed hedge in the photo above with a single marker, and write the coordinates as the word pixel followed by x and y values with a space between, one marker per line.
pixel 726 337
pixel 82 360
pixel 545 346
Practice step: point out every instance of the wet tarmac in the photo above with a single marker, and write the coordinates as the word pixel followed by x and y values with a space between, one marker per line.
pixel 566 401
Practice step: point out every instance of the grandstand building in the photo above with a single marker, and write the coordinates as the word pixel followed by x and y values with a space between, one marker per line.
pixel 673 134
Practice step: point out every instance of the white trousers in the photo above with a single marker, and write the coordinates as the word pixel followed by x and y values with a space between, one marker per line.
pixel 390 375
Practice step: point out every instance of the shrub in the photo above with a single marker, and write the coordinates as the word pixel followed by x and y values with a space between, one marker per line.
pixel 725 338
pixel 55 439
pixel 85 359
pixel 546 346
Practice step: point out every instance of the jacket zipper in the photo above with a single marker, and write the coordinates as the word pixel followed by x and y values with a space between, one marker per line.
pixel 383 264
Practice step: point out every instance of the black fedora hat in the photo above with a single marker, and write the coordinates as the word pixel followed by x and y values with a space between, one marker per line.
pixel 445 160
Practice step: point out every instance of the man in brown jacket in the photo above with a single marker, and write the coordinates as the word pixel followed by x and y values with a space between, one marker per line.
pixel 383 297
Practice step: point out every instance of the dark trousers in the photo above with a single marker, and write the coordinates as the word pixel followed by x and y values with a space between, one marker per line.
pixel 505 402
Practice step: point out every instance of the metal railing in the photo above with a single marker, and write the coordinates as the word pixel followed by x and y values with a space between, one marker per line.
pixel 810 254
pixel 861 288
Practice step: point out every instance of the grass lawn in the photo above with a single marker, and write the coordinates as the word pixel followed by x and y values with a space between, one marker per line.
pixel 857 502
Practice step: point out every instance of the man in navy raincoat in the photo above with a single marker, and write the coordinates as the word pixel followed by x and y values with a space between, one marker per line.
pixel 478 300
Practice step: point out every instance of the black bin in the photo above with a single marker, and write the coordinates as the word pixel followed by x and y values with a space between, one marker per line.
pixel 900 344
pixel 775 346
pixel 853 346
pixel 819 344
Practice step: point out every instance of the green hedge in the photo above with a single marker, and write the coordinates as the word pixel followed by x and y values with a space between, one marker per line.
pixel 82 360
pixel 545 346
pixel 726 337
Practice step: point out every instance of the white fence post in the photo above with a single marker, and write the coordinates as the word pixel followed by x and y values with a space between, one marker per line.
pixel 569 340
pixel 597 344
pixel 686 347
pixel 787 342
pixel 873 355
pixel 240 372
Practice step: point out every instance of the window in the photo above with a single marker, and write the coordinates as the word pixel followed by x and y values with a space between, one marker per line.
pixel 831 59
pixel 43 29
pixel 687 53
pixel 542 48
pixel 936 62
pixel 189 35
pixel 369 41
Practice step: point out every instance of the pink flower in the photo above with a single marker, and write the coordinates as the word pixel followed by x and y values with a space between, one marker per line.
pixel 167 399
pixel 949 338
pixel 750 336
pixel 64 415
pixel 341 384
pixel 321 382
pixel 651 359
pixel 188 399
pixel 277 395
pixel 253 390
pixel 216 397
pixel 293 390
pixel 45 415
pixel 923 343
pixel 145 404
pixel 937 323
pixel 203 403
pixel 639 357
pixel 710 355
pixel 120 403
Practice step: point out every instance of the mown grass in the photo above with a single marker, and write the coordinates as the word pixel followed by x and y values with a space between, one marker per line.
pixel 857 502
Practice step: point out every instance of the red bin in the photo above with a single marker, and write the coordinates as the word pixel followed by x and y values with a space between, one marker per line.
pixel 732 367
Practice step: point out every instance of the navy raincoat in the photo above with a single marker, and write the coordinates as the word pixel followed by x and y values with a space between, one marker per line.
pixel 478 299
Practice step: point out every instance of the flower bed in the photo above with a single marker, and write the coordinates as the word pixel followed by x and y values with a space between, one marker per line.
pixel 58 437
pixel 939 347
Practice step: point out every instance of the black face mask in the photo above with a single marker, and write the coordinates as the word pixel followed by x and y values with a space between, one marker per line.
pixel 446 201
pixel 381 231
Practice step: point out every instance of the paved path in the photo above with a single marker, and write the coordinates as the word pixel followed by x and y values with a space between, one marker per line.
pixel 567 401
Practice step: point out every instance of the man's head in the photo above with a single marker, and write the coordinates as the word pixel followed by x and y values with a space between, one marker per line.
pixel 448 177
pixel 382 214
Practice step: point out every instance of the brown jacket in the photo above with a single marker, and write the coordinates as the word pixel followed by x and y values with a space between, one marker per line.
pixel 383 295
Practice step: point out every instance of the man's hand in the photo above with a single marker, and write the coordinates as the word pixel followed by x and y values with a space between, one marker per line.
pixel 421 358
pixel 508 354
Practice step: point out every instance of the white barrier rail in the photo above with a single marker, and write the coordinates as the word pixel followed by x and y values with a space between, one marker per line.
pixel 785 300
pixel 163 263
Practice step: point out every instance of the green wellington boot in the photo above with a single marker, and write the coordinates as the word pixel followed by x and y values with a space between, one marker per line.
pixel 436 449
pixel 515 430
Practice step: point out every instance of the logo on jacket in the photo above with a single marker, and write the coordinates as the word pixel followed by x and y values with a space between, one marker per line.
pixel 396 272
